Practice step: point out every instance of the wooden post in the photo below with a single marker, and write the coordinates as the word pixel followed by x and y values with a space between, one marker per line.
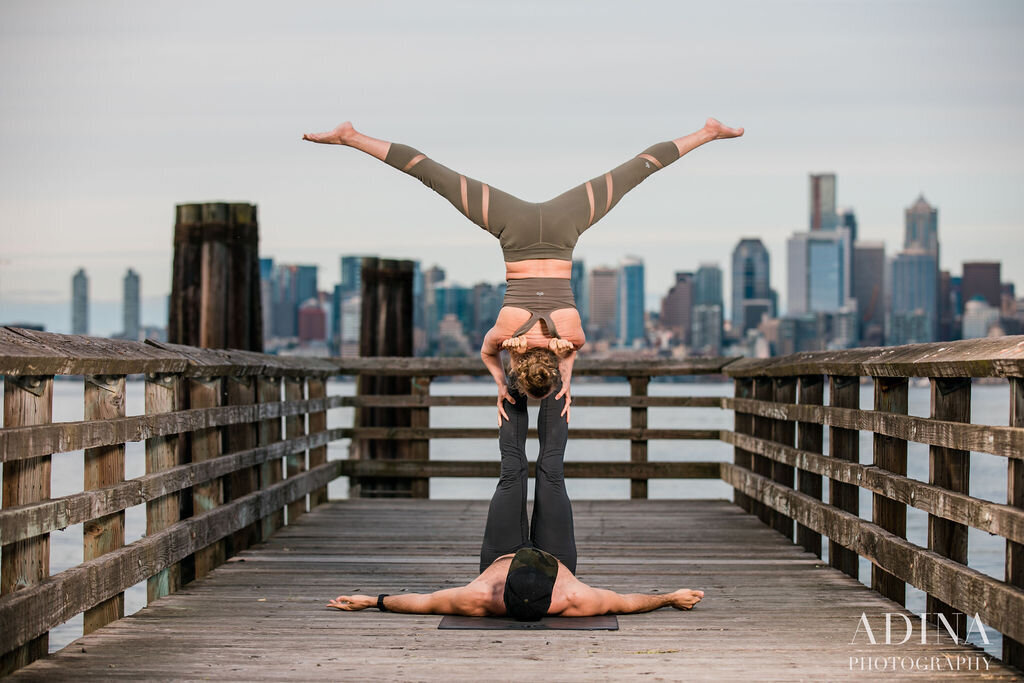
pixel 28 401
pixel 241 390
pixel 783 432
pixel 763 391
pixel 162 396
pixel 742 423
pixel 215 289
pixel 294 426
pixel 950 469
pixel 317 424
pixel 844 392
pixel 104 399
pixel 269 390
pixel 419 449
pixel 1013 650
pixel 890 454
pixel 205 392
pixel 810 437
pixel 638 447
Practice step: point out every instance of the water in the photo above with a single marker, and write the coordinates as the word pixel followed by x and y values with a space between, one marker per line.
pixel 990 405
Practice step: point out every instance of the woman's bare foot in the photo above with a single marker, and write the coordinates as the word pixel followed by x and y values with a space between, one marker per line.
pixel 686 599
pixel 717 131
pixel 339 136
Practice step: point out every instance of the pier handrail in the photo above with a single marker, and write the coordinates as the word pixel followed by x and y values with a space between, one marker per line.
pixel 221 471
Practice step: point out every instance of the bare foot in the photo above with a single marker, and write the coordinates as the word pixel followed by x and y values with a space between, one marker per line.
pixel 338 136
pixel 719 132
pixel 685 599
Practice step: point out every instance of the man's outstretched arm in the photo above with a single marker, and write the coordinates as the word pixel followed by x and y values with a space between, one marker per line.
pixel 465 601
pixel 588 602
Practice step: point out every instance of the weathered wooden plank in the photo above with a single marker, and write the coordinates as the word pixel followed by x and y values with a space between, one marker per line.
pixel 33 519
pixel 784 432
pixel 763 430
pixel 163 453
pixel 207 445
pixel 403 433
pixel 996 440
pixel 423 400
pixel 295 426
pixel 419 449
pixel 26 442
pixel 891 396
pixel 810 437
pixel 104 466
pixel 489 469
pixel 29 352
pixel 1013 649
pixel 435 367
pixel 949 469
pixel 317 388
pixel 271 470
pixel 993 518
pixel 32 611
pixel 241 390
pixel 638 447
pixel 23 564
pixel 844 444
pixel 743 424
pixel 969 591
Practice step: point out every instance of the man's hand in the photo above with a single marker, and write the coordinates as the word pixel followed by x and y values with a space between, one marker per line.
pixel 503 395
pixel 352 603
pixel 516 344
pixel 560 347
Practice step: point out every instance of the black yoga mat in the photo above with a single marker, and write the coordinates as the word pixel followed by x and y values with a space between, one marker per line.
pixel 606 622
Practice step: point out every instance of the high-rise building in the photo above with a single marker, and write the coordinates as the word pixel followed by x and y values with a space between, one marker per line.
pixel 982 280
pixel 706 330
pixel 707 285
pixel 80 303
pixel 132 309
pixel 979 318
pixel 630 302
pixel 914 302
pixel 306 283
pixel 579 290
pixel 351 274
pixel 846 218
pixel 869 291
pixel 922 226
pixel 823 201
pixel 486 304
pixel 290 287
pixel 677 307
pixel 752 295
pixel 312 322
pixel 267 297
pixel 603 292
pixel 819 271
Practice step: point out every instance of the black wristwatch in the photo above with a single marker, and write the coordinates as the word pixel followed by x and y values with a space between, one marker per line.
pixel 380 602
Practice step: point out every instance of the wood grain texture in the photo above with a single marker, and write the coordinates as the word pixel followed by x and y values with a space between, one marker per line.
pixel 890 455
pixel 163 453
pixel 637 447
pixel 844 444
pixel 1013 649
pixel 783 432
pixel 810 438
pixel 294 427
pixel 743 423
pixel 272 469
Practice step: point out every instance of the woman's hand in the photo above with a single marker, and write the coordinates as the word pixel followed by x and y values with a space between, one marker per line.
pixel 352 603
pixel 503 395
pixel 568 398
pixel 560 347
pixel 515 344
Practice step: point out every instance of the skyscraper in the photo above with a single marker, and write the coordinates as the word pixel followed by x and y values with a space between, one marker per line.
pixel 981 280
pixel 603 294
pixel 846 218
pixel 351 274
pixel 869 291
pixel 630 302
pixel 751 293
pixel 677 307
pixel 922 226
pixel 914 316
pixel 579 290
pixel 131 305
pixel 823 201
pixel 80 303
pixel 706 330
pixel 818 271
pixel 707 285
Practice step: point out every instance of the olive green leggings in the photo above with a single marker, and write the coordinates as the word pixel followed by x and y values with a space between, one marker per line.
pixel 528 230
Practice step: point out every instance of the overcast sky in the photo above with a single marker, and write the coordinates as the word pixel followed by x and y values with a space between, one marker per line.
pixel 113 112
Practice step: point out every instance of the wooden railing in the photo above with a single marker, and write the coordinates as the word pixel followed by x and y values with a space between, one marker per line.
pixel 221 475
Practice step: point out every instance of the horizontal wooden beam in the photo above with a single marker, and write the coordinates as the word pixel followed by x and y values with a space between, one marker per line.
pixel 585 367
pixel 19 443
pixel 34 519
pixel 492 433
pixel 33 611
pixel 1004 441
pixel 415 401
pixel 998 604
pixel 1000 520
pixel 492 468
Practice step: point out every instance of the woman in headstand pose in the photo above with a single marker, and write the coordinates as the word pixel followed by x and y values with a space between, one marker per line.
pixel 538 322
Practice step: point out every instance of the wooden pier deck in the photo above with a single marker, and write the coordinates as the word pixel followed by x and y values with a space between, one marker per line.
pixel 771 612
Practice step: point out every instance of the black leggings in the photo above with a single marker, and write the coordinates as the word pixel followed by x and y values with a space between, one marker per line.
pixel 552 531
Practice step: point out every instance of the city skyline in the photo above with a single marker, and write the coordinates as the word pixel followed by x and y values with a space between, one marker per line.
pixel 897 114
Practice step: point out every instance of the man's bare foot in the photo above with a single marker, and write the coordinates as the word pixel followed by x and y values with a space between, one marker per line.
pixel 686 599
pixel 719 132
pixel 338 136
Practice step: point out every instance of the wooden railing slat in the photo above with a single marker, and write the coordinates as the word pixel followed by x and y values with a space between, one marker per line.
pixel 637 447
pixel 1013 648
pixel 616 434
pixel 492 468
pixel 423 400
pixel 783 432
pixel 743 423
pixel 295 426
pixel 890 455
pixel 163 453
pixel 810 438
pixel 268 390
pixel 843 444
pixel 207 444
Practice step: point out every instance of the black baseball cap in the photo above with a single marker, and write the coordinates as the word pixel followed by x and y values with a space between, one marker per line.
pixel 531 578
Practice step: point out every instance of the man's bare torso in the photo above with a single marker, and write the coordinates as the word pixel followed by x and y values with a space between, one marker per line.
pixel 490 586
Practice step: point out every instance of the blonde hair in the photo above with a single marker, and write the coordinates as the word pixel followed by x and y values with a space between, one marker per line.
pixel 534 371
